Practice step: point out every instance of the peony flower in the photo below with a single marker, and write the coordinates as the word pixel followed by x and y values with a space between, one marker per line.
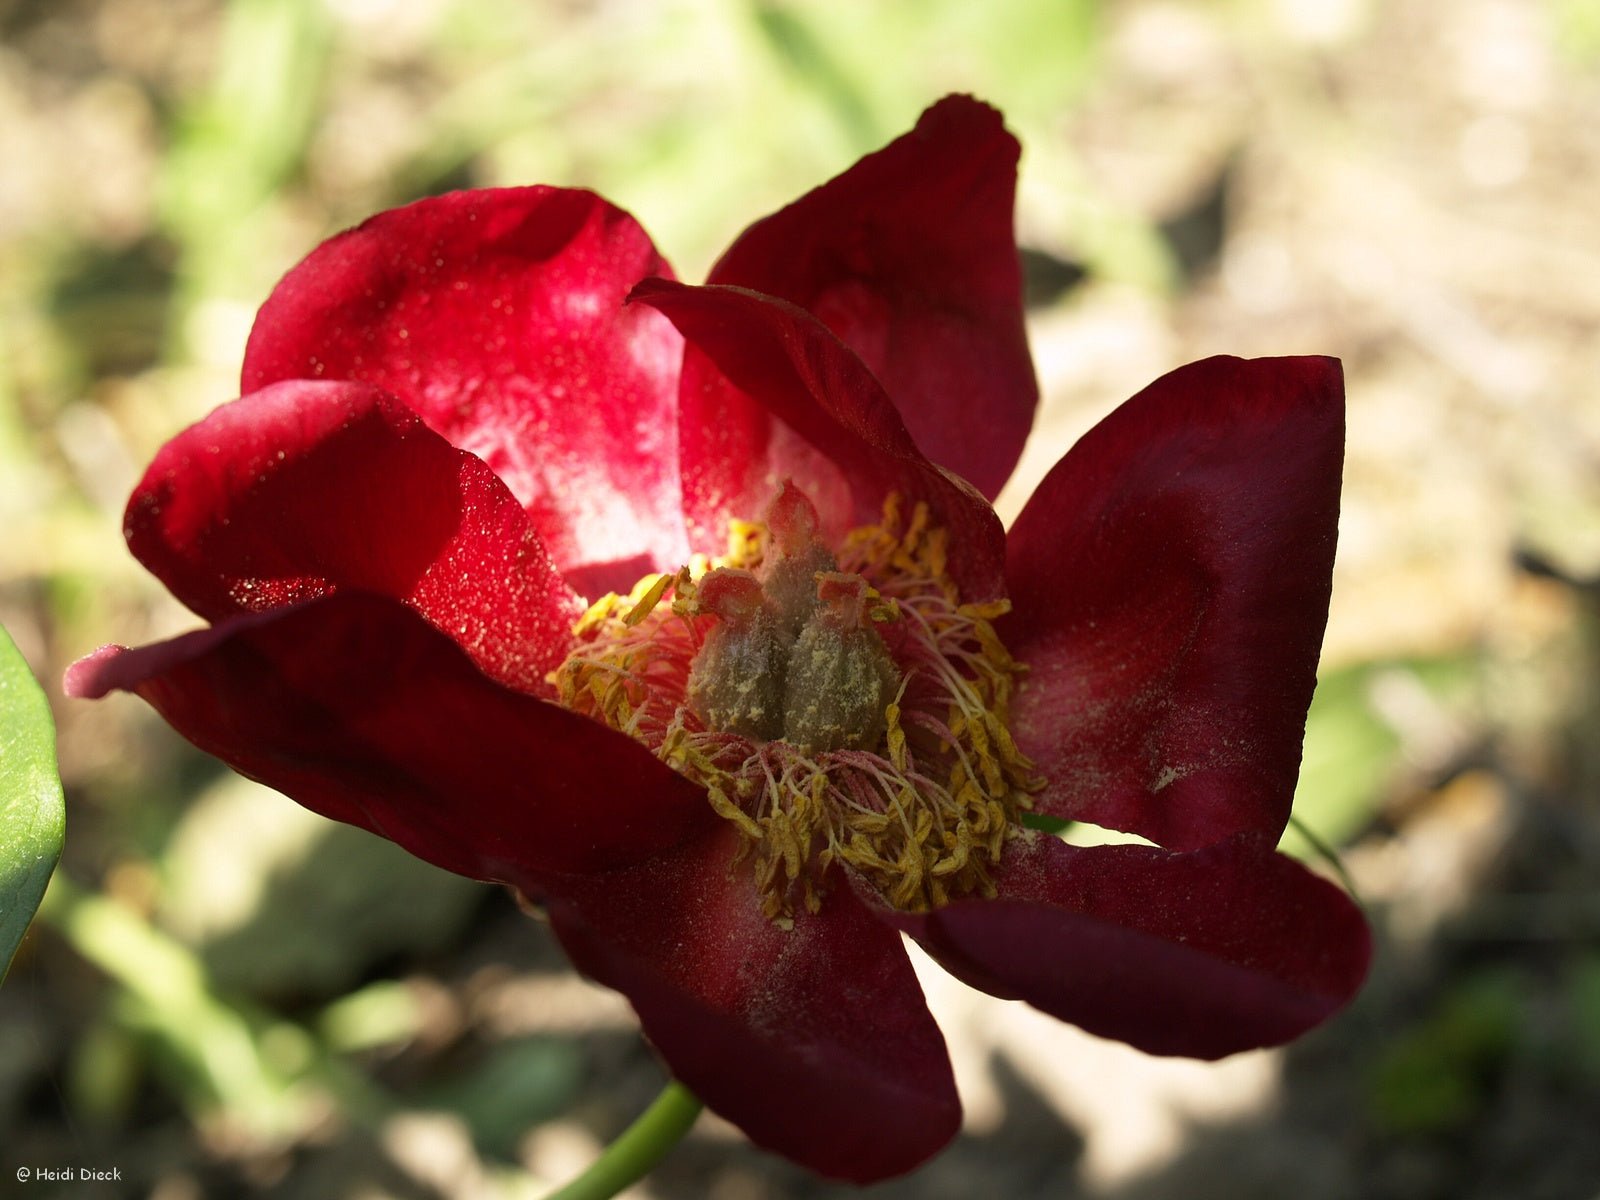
pixel 683 610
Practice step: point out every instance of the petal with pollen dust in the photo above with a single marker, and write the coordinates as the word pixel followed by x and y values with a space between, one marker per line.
pixel 835 433
pixel 497 315
pixel 358 709
pixel 304 488
pixel 1201 954
pixel 1170 579
pixel 814 1040
pixel 910 257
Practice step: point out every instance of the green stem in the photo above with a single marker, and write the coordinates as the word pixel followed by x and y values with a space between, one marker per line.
pixel 640 1147
pixel 1328 855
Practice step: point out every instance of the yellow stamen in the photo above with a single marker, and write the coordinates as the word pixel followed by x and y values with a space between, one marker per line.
pixel 923 814
pixel 648 601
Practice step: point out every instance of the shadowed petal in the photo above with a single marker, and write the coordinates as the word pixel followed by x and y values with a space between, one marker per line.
pixel 1170 579
pixel 1202 954
pixel 834 431
pixel 358 709
pixel 304 488
pixel 910 258
pixel 497 314
pixel 815 1040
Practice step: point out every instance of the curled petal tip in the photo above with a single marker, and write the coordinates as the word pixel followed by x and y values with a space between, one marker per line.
pixel 87 679
pixel 649 287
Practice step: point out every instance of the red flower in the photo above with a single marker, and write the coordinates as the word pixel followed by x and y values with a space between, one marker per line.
pixel 733 791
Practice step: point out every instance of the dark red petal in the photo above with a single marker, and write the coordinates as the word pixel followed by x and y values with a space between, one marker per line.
pixel 360 710
pixel 1199 954
pixel 770 394
pixel 815 1040
pixel 911 258
pixel 303 488
pixel 1170 579
pixel 498 316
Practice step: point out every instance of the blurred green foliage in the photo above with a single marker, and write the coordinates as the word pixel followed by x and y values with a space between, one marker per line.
pixel 1450 1066
pixel 1578 29
pixel 279 902
pixel 1351 748
pixel 216 1053
pixel 235 147
pixel 511 1088
pixel 1583 995
pixel 1439 1074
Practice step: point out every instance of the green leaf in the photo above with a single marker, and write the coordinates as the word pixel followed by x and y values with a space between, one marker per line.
pixel 32 815
pixel 1045 822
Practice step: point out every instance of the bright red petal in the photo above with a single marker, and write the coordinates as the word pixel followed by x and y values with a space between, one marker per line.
pixel 824 422
pixel 1202 954
pixel 1170 579
pixel 497 315
pixel 360 710
pixel 814 1040
pixel 304 488
pixel 911 258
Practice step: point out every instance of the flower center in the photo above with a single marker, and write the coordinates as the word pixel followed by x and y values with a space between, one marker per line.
pixel 843 708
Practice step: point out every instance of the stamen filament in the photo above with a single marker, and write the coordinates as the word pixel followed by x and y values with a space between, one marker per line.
pixel 921 805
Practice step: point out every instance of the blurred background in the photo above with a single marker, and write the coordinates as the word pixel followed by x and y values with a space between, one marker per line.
pixel 228 997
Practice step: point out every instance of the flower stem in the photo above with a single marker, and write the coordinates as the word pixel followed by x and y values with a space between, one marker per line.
pixel 640 1147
